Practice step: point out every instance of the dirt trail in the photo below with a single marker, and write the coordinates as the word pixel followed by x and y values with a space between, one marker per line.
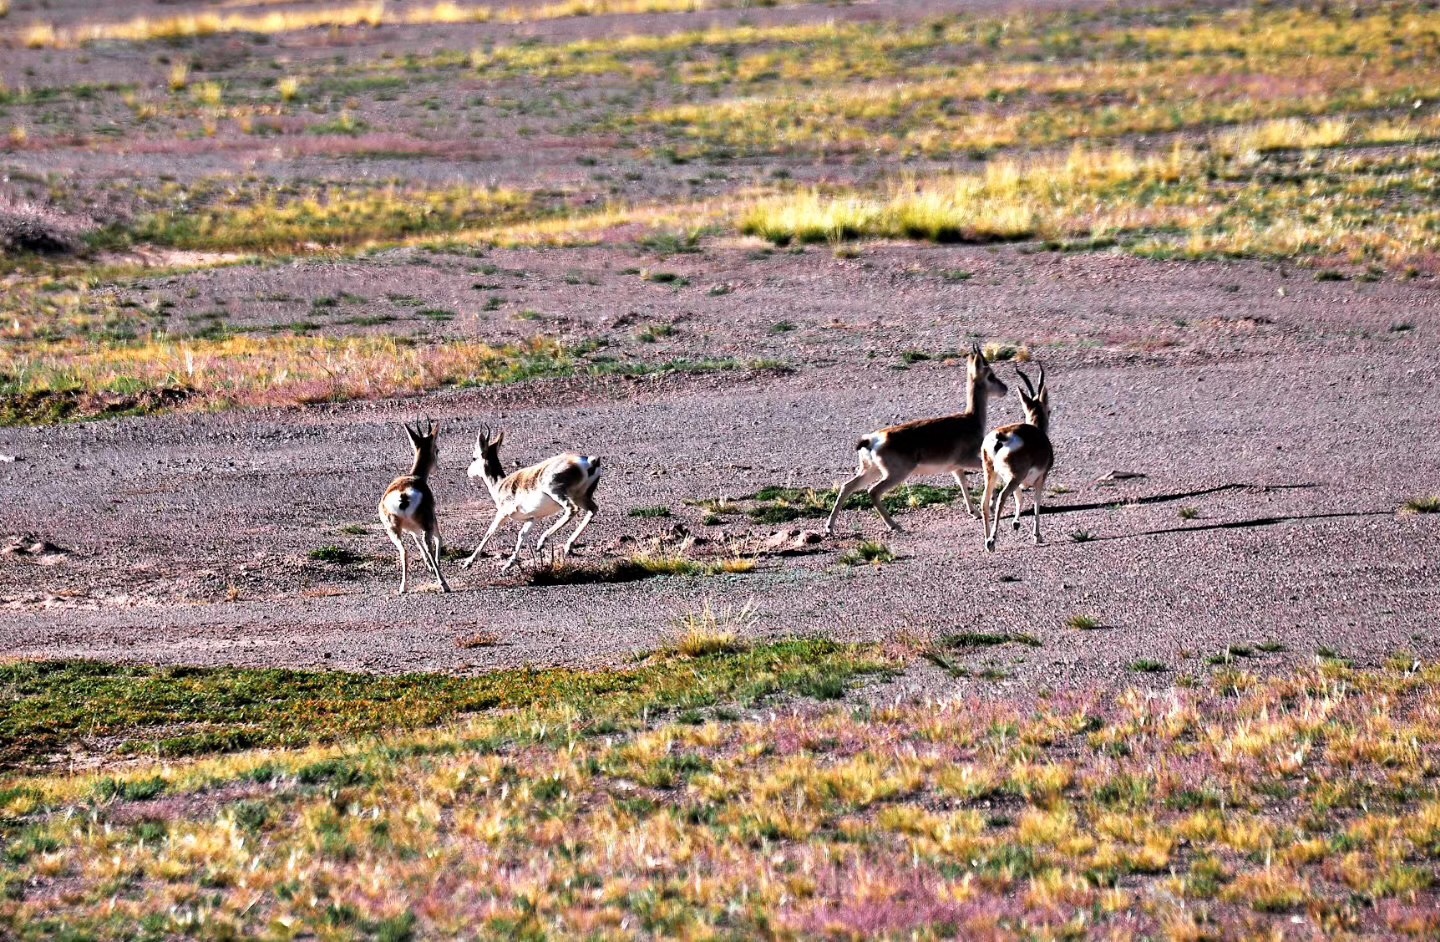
pixel 1288 428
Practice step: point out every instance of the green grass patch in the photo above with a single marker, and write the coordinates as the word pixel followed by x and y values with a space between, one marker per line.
pixel 869 553
pixel 784 504
pixel 177 711
pixel 336 555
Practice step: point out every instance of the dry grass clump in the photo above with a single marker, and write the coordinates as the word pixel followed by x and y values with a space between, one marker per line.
pixel 1258 807
pixel 712 630
pixel 1285 134
pixel 288 88
pixel 1420 505
pixel 478 639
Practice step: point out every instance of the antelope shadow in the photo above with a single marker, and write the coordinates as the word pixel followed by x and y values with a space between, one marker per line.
pixel 1050 508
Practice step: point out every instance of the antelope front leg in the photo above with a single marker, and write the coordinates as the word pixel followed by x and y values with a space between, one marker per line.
pixel 499 519
pixel 515 556
pixel 846 489
pixel 878 490
pixel 963 479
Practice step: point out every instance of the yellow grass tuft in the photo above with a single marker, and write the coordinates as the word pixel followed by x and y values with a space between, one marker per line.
pixel 1285 134
pixel 39 36
pixel 179 76
pixel 288 88
pixel 712 630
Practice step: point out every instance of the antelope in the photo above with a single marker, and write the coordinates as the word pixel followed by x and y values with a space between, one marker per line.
pixel 890 456
pixel 1016 456
pixel 408 504
pixel 565 483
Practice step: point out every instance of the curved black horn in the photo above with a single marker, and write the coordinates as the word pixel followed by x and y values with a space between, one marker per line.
pixel 1028 388
pixel 1042 380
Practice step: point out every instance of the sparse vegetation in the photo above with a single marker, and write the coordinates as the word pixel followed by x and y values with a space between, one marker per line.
pixel 1083 622
pixel 71 380
pixel 335 555
pixel 868 553
pixel 713 630
pixel 478 639
pixel 661 768
pixel 1421 505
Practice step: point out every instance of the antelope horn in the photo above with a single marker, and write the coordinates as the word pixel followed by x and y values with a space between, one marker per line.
pixel 1028 388
pixel 1042 379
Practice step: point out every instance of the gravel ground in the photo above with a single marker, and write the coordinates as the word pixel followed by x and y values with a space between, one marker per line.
pixel 1289 419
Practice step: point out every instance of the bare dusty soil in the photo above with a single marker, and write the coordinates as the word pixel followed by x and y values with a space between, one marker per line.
pixel 1275 423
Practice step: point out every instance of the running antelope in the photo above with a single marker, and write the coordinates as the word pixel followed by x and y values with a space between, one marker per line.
pixel 408 504
pixel 562 483
pixel 1017 456
pixel 951 443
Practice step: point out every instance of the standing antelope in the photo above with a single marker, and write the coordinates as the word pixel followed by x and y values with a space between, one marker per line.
pixel 926 446
pixel 408 504
pixel 565 482
pixel 1017 456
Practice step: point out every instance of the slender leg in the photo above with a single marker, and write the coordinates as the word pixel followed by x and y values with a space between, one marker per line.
pixel 564 519
pixel 986 505
pixel 962 478
pixel 846 489
pixel 435 547
pixel 584 522
pixel 1035 512
pixel 878 490
pixel 515 556
pixel 494 525
pixel 399 545
pixel 424 551
pixel 1019 500
pixel 1005 495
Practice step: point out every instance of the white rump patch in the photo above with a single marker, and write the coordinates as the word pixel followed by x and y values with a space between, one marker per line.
pixel 410 497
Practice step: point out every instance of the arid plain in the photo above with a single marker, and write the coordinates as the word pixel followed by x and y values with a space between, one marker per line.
pixel 714 244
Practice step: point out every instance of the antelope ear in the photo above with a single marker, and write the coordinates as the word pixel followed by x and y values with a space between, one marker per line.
pixel 499 439
pixel 413 435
